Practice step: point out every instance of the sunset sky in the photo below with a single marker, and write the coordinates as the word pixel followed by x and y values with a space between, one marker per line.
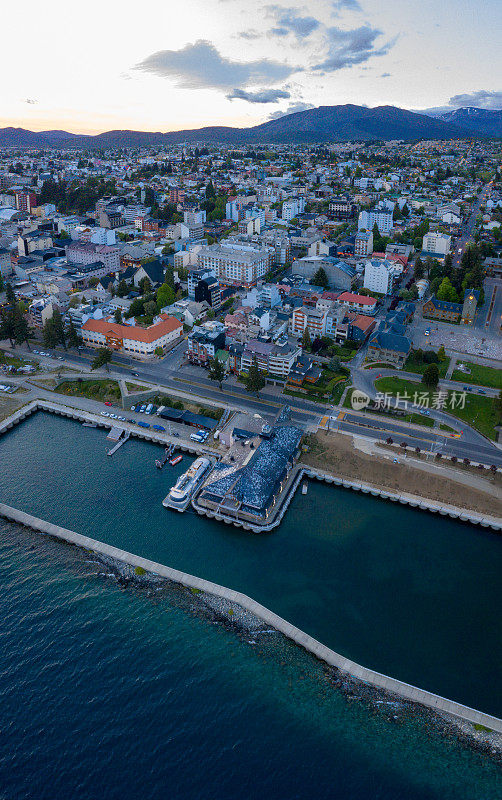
pixel 165 65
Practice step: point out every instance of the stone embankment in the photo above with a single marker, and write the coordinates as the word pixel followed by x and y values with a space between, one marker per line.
pixel 368 676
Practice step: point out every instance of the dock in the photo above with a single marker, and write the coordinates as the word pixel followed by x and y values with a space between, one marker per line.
pixel 119 442
pixel 168 452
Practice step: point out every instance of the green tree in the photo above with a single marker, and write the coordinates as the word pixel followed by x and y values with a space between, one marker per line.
pixel 73 339
pixel 441 353
pixel 145 286
pixel 210 190
pixel 216 371
pixel 102 359
pixel 447 292
pixel 306 340
pixel 497 405
pixel 255 379
pixel 165 296
pixel 419 269
pixel 7 327
pixel 122 289
pixel 430 377
pixel 22 331
pixel 320 278
pixel 118 316
pixel 9 295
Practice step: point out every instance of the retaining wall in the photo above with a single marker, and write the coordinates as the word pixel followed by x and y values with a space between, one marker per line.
pixel 301 638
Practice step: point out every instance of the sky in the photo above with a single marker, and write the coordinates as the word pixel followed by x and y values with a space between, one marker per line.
pixel 161 65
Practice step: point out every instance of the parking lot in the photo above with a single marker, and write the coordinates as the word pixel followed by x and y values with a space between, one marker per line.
pixel 461 338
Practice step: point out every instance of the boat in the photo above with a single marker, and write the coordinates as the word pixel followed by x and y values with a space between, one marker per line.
pixel 304 488
pixel 175 460
pixel 186 483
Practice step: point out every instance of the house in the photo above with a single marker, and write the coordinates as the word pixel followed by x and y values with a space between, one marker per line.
pixel 204 341
pixel 153 270
pixel 442 310
pixel 272 358
pixel 358 302
pixel 390 348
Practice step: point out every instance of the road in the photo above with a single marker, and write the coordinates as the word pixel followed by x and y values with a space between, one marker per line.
pixel 469 225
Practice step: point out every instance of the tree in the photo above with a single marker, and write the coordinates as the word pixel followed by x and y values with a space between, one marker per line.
pixel 59 330
pixel 102 359
pixel 447 292
pixel 441 353
pixel 118 316
pixel 419 269
pixel 22 331
pixel 145 286
pixel 430 377
pixel 497 405
pixel 210 190
pixel 255 379
pixel 306 340
pixel 165 296
pixel 122 289
pixel 9 295
pixel 150 308
pixel 7 328
pixel 216 371
pixel 72 337
pixel 320 278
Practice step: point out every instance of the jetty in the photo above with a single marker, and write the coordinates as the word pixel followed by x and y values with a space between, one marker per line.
pixel 168 453
pixel 118 442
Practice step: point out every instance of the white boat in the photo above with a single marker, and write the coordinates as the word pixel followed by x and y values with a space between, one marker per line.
pixel 187 482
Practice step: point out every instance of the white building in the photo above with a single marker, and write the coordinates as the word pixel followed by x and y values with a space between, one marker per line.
pixel 291 208
pixel 382 219
pixel 436 243
pixel 137 342
pixel 363 245
pixel 235 264
pixel 379 276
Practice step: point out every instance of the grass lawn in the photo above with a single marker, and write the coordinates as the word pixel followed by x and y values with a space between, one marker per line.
pixel 328 389
pixel 135 387
pixel 411 366
pixel 478 411
pixel 14 361
pixel 104 390
pixel 482 376
pixel 416 419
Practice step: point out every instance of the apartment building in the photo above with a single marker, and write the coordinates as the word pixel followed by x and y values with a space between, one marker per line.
pixel 382 219
pixel 272 358
pixel 379 276
pixel 307 318
pixel 291 208
pixel 235 264
pixel 436 243
pixel 358 302
pixel 204 341
pixel 88 252
pixel 363 244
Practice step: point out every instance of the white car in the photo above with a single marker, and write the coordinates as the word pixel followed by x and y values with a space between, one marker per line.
pixel 122 419
pixel 104 413
pixel 113 416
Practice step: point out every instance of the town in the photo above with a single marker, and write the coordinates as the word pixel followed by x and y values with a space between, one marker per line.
pixel 300 272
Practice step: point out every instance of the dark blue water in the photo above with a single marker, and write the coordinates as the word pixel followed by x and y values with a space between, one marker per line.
pixel 121 694
pixel 410 594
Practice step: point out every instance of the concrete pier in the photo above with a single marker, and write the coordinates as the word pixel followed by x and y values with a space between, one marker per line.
pixel 368 676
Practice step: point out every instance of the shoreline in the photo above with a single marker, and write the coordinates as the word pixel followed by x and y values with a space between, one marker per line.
pixel 299 472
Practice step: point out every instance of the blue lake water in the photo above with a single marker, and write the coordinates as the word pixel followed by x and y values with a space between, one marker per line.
pixel 112 693
pixel 120 694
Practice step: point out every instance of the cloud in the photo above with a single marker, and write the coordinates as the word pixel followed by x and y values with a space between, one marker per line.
pixel 261 96
pixel 31 102
pixel 248 35
pixel 348 48
pixel 385 75
pixel 288 22
pixel 292 109
pixel 491 101
pixel 343 5
pixel 201 66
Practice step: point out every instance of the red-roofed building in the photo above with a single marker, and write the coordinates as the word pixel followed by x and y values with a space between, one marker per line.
pixel 358 302
pixel 131 339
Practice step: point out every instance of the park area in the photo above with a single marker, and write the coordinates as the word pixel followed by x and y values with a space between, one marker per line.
pixel 106 391
pixel 479 412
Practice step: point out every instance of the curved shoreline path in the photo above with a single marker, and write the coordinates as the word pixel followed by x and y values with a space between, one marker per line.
pixel 376 679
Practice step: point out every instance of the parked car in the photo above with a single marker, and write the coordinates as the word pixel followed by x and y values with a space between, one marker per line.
pixel 143 424
pixel 158 428
pixel 107 403
pixel 133 408
pixel 104 413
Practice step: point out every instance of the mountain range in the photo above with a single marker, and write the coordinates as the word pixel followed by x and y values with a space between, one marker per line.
pixel 323 124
